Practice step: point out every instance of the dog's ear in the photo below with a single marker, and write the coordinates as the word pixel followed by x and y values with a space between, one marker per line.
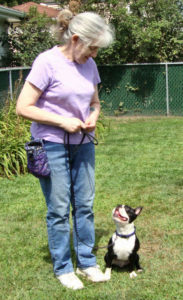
pixel 138 210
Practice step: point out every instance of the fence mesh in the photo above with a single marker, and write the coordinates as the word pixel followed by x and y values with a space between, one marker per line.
pixel 141 89
pixel 126 89
pixel 175 79
pixel 4 86
pixel 11 81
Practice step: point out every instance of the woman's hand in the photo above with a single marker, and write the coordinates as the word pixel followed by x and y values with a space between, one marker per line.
pixel 72 124
pixel 90 123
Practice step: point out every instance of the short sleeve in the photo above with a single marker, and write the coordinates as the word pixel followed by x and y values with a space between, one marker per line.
pixel 41 73
pixel 96 77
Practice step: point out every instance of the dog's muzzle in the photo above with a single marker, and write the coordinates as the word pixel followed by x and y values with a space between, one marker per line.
pixel 118 213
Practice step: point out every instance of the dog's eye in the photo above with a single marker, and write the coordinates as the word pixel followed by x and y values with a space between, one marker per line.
pixel 129 210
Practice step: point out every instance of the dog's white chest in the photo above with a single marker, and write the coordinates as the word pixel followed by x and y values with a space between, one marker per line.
pixel 123 247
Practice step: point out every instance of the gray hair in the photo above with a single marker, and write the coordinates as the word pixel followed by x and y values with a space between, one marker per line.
pixel 90 27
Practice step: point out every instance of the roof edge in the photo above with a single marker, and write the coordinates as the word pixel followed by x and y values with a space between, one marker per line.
pixel 9 12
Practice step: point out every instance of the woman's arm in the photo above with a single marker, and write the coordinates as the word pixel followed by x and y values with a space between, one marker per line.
pixel 94 112
pixel 26 107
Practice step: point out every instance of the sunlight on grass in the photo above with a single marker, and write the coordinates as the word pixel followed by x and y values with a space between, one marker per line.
pixel 140 162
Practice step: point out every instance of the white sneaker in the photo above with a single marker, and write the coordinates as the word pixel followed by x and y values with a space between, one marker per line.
pixel 71 281
pixel 92 273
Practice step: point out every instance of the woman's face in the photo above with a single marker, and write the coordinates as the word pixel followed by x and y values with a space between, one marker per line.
pixel 81 52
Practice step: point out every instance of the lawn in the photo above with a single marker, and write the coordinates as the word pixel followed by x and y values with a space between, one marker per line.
pixel 140 162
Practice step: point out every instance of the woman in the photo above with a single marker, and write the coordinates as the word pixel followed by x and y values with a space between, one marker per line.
pixel 60 96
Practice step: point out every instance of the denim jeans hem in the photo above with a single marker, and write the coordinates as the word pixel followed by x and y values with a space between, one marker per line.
pixel 64 272
pixel 85 267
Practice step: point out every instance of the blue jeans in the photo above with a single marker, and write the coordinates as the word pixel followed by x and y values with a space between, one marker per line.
pixel 59 196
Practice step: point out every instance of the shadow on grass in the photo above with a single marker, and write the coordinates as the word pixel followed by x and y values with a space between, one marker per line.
pixel 47 256
pixel 99 233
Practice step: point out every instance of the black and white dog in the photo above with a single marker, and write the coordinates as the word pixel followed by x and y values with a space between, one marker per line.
pixel 124 244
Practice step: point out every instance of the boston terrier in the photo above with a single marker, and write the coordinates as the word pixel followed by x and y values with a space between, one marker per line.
pixel 124 244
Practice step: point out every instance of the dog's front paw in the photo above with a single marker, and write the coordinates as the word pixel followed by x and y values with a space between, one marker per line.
pixel 108 274
pixel 133 275
pixel 140 270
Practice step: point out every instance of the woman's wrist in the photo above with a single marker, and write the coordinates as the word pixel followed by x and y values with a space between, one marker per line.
pixel 94 113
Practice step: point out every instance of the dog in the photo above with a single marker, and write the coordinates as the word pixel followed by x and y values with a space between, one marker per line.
pixel 124 244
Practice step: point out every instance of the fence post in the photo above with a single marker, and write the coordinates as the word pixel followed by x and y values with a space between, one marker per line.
pixel 167 90
pixel 10 84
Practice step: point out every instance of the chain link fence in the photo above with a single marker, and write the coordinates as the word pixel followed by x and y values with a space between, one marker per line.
pixel 143 89
pixel 11 81
pixel 132 89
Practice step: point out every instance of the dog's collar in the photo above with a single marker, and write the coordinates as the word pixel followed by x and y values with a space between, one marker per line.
pixel 126 236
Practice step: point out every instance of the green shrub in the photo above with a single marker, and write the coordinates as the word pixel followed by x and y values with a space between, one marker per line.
pixel 103 127
pixel 14 132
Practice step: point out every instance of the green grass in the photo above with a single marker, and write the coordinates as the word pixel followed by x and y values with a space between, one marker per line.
pixel 140 162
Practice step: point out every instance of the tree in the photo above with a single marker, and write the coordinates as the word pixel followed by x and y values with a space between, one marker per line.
pixel 27 40
pixel 159 36
pixel 148 31
pixel 11 3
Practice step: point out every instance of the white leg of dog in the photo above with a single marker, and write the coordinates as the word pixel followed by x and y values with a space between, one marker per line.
pixel 140 270
pixel 133 274
pixel 108 273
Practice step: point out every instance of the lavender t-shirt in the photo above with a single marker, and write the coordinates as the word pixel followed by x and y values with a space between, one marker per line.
pixel 67 90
